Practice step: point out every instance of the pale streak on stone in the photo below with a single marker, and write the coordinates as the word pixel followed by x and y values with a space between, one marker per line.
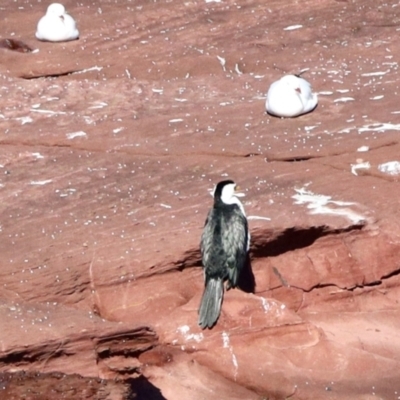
pixel 222 61
pixel 184 331
pixel 44 182
pixel 257 217
pixel 265 304
pixel 319 204
pixel 74 135
pixel 355 167
pixel 292 27
pixel 379 127
pixel 82 71
pixel 343 100
pixel 41 111
pixel 99 104
pixel 226 345
pixel 25 120
pixel 310 128
pixel 225 340
pixel 95 293
pixel 390 168
pixel 237 70
pixel 378 73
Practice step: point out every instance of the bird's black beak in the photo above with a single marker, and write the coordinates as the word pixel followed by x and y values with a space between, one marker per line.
pixel 238 194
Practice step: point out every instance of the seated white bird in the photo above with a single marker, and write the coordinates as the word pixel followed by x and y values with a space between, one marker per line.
pixel 57 25
pixel 290 96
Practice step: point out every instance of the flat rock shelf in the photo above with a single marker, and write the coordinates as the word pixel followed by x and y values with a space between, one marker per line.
pixel 109 146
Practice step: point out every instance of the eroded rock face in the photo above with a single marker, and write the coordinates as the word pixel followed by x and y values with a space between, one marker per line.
pixel 109 146
pixel 21 385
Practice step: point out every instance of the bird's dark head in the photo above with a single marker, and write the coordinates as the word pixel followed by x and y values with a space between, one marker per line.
pixel 224 191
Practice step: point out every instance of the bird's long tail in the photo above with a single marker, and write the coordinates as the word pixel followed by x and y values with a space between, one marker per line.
pixel 211 302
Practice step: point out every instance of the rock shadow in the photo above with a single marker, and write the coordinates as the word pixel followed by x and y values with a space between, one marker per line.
pixel 142 389
pixel 265 245
pixel 247 281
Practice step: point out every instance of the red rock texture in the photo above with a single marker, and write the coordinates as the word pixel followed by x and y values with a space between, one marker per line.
pixel 21 385
pixel 108 147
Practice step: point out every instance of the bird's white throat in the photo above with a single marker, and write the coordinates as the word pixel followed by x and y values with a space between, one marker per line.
pixel 228 196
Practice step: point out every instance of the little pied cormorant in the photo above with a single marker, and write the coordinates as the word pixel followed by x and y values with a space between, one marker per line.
pixel 224 245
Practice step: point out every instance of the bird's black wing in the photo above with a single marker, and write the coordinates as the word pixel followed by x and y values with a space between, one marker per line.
pixel 224 243
pixel 208 239
pixel 235 236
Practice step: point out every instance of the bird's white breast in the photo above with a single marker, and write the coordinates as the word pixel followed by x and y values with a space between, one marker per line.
pixel 290 96
pixel 54 28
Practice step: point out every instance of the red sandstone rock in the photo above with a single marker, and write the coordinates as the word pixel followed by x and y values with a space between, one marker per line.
pixel 39 386
pixel 108 147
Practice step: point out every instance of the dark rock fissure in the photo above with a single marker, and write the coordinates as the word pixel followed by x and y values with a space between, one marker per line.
pixel 292 159
pixel 353 288
pixel 378 282
pixel 30 355
pixel 54 75
pixel 391 274
pixel 128 344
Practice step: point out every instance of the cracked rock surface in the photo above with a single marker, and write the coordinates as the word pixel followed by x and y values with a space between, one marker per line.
pixel 109 146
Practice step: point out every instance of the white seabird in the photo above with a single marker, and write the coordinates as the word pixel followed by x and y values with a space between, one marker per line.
pixel 56 25
pixel 290 96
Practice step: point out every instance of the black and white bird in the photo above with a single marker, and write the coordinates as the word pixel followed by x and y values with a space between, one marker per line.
pixel 224 245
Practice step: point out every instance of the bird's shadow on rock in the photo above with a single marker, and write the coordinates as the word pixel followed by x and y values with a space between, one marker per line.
pixel 246 281
pixel 142 389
